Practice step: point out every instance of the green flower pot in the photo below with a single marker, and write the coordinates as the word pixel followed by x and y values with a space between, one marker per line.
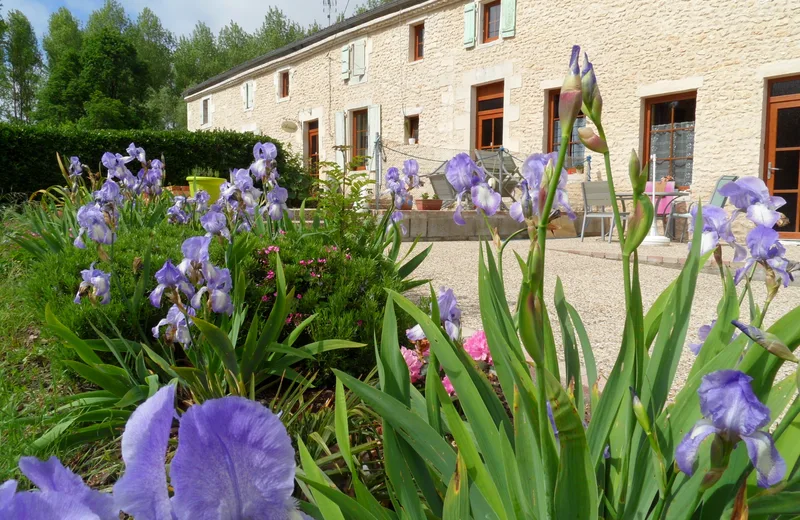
pixel 209 184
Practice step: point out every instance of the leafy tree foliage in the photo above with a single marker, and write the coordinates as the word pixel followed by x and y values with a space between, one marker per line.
pixel 23 66
pixel 63 35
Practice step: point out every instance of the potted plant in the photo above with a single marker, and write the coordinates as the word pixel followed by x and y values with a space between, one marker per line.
pixel 428 203
pixel 205 179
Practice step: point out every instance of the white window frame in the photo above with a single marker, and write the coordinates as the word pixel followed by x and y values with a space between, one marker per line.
pixel 278 75
pixel 206 123
pixel 356 79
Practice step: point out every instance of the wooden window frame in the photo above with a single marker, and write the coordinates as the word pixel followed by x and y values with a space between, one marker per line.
pixel 284 84
pixel 486 10
pixel 487 93
pixel 648 117
pixel 413 128
pixel 248 87
pixel 552 118
pixel 313 158
pixel 205 111
pixel 355 134
pixel 418 52
pixel 770 143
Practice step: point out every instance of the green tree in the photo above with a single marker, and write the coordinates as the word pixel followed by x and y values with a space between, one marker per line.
pixel 166 109
pixel 370 5
pixel 111 16
pixel 276 31
pixel 23 66
pixel 61 98
pixel 108 113
pixel 112 70
pixel 154 45
pixel 63 35
pixel 196 57
pixel 235 45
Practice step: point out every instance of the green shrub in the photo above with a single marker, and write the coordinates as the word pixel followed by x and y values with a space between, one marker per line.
pixel 27 154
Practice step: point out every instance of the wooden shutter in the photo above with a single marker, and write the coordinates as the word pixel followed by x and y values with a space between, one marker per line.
pixel 359 58
pixel 469 25
pixel 373 129
pixel 346 62
pixel 508 18
pixel 339 137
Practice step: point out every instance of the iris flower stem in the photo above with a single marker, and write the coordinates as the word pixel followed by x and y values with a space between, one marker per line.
pixel 747 285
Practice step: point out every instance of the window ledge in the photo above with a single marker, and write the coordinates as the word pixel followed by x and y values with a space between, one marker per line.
pixel 414 62
pixel 205 126
pixel 284 99
pixel 249 109
pixel 483 45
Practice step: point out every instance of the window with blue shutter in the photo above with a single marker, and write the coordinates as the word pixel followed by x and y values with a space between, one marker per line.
pixel 346 62
pixel 469 25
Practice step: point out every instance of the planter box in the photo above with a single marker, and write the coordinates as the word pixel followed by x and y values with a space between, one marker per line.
pixel 429 204
pixel 179 190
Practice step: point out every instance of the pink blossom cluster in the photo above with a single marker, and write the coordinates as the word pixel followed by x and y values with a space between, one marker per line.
pixel 477 347
pixel 271 249
pixel 294 317
pixel 270 275
pixel 414 363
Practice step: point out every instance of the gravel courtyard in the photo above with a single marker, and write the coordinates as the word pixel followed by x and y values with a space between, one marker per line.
pixel 592 285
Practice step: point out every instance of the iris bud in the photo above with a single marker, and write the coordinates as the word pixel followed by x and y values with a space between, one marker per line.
pixel 591 140
pixel 592 101
pixel 770 342
pixel 637 176
pixel 569 101
pixel 639 223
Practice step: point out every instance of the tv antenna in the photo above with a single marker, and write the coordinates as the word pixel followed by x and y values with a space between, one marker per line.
pixel 329 6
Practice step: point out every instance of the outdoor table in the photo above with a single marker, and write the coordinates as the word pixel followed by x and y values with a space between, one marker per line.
pixel 653 238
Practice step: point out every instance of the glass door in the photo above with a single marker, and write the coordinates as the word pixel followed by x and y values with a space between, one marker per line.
pixel 489 121
pixel 783 151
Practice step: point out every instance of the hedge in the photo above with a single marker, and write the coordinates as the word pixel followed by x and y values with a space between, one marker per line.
pixel 28 154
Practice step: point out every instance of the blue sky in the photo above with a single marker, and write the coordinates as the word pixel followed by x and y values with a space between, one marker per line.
pixel 180 16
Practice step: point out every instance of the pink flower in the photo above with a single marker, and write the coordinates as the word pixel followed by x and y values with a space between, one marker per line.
pixel 477 347
pixel 448 386
pixel 270 275
pixel 348 256
pixel 265 298
pixel 360 323
pixel 282 232
pixel 414 363
pixel 322 260
pixel 299 296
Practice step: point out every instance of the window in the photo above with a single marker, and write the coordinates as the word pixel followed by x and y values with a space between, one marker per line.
pixel 489 124
pixel 491 21
pixel 285 84
pixel 669 134
pixel 576 152
pixel 248 95
pixel 312 141
pixel 204 111
pixel 412 128
pixel 360 142
pixel 419 42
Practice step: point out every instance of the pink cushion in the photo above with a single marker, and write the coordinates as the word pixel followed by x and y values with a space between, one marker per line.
pixel 664 202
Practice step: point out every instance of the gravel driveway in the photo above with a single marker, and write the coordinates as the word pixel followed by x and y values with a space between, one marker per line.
pixel 592 285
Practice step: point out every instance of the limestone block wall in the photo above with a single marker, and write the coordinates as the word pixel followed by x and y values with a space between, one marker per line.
pixel 724 50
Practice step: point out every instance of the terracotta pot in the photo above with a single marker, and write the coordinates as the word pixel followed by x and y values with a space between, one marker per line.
pixel 429 204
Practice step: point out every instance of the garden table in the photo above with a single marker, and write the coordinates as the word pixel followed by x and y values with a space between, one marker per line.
pixel 653 238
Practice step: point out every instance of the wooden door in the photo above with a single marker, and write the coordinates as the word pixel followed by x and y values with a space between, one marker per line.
pixel 313 148
pixel 489 120
pixel 782 173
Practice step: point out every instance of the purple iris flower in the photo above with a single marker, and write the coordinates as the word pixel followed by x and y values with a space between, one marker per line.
pixel 109 193
pixel 234 460
pixel 176 214
pixel 523 208
pixel 751 195
pixel 733 413
pixel 116 166
pixel 137 153
pixel 200 201
pixel 449 314
pixel 177 324
pixel 218 286
pixel 396 217
pixel 170 277
pixel 75 168
pixel 62 495
pixel 96 285
pixel 195 256
pixel 215 222
pixel 552 420
pixel 702 335
pixel 716 227
pixel 411 172
pixel 396 185
pixel 465 176
pixel 264 155
pixel 767 250
pixel 276 202
pixel 537 172
pixel 92 221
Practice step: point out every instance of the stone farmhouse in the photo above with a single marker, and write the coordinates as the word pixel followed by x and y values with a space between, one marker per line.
pixel 710 87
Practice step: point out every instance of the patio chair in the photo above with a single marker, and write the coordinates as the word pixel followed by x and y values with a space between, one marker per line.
pixel 441 186
pixel 597 195
pixel 500 166
pixel 717 199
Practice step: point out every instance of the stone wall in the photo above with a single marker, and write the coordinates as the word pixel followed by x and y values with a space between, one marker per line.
pixel 722 49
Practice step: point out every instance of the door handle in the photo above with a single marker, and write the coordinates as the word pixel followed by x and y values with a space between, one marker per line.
pixel 770 169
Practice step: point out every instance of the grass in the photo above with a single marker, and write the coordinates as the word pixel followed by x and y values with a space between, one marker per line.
pixel 33 379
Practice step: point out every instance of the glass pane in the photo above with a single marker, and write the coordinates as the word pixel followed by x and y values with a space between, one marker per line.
pixel 683 143
pixel 490 104
pixel 498 132
pixel 790 210
pixel 660 144
pixel 661 114
pixel 493 13
pixel 788 173
pixel 682 172
pixel 684 110
pixel 788 127
pixel 556 135
pixel 785 88
pixel 486 133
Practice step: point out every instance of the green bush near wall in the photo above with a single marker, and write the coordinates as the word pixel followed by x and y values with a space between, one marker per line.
pixel 28 154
